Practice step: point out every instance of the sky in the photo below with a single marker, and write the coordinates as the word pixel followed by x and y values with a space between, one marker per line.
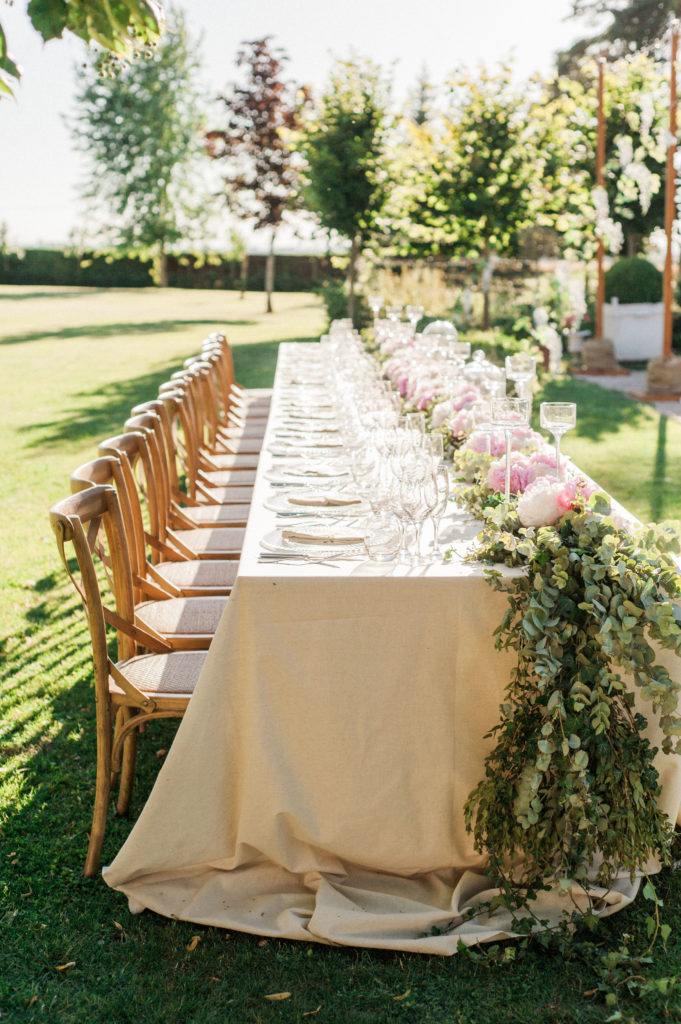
pixel 40 170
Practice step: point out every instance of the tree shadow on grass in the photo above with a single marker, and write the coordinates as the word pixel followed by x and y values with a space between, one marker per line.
pixel 108 330
pixel 22 296
pixel 599 412
pixel 109 407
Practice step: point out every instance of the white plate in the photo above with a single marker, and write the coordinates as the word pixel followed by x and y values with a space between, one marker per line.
pixel 274 541
pixel 281 503
pixel 303 475
pixel 306 447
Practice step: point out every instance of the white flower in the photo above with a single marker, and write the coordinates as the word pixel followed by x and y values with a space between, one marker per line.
pixel 441 412
pixel 540 505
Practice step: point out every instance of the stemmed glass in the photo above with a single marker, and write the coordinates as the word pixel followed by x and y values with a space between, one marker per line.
pixel 508 413
pixel 441 483
pixel 482 422
pixel 558 418
pixel 521 368
pixel 393 313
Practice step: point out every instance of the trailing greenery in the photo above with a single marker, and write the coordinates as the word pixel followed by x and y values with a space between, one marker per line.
pixel 570 788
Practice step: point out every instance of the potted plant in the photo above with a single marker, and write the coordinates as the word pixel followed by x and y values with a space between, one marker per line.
pixel 633 312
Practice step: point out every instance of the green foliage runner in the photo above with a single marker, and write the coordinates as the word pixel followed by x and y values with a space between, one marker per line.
pixel 569 794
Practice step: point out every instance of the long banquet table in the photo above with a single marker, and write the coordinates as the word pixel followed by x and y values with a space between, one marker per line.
pixel 315 788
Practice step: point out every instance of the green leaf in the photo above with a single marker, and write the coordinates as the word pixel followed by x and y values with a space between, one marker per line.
pixel 49 17
pixel 649 891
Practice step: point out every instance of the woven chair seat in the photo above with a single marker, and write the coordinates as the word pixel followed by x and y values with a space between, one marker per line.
pixel 218 515
pixel 226 485
pixel 234 460
pixel 185 616
pixel 175 674
pixel 219 542
pixel 195 575
pixel 243 445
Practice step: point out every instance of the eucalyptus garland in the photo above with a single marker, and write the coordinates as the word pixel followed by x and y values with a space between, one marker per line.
pixel 570 788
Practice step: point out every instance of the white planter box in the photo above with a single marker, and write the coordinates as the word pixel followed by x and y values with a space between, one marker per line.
pixel 636 329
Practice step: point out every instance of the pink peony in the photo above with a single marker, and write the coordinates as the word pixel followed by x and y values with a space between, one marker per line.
pixel 547 499
pixel 540 504
pixel 520 474
pixel 466 398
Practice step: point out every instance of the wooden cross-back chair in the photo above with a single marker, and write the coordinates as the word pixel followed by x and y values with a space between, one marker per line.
pixel 198 384
pixel 252 402
pixel 168 535
pixel 134 688
pixel 222 479
pixel 175 573
pixel 195 504
pixel 183 622
pixel 233 420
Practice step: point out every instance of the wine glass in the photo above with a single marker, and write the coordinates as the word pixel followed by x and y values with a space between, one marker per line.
pixel 558 418
pixel 393 313
pixel 509 413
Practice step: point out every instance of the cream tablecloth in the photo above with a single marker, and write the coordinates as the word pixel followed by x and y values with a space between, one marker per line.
pixel 316 784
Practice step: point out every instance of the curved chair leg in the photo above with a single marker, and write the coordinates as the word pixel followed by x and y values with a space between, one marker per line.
pixel 127 771
pixel 99 814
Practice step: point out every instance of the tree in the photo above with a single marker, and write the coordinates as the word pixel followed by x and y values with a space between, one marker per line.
pixel 471 179
pixel 141 131
pixel 634 25
pixel 120 27
pixel 262 169
pixel 343 145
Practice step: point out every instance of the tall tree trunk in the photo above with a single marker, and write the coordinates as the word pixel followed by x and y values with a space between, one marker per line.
pixel 352 274
pixel 245 260
pixel 632 243
pixel 161 267
pixel 269 275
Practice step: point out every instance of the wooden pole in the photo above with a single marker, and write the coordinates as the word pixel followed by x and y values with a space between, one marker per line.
pixel 600 182
pixel 669 200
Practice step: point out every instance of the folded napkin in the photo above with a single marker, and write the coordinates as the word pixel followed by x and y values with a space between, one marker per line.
pixel 319 538
pixel 297 415
pixel 323 499
pixel 301 429
pixel 314 444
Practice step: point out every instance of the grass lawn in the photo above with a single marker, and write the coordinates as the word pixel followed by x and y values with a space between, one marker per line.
pixel 72 363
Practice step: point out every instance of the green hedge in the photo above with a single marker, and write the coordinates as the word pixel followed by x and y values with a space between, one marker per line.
pixel 55 267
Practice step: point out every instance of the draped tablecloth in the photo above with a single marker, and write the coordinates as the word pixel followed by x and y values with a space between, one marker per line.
pixel 315 787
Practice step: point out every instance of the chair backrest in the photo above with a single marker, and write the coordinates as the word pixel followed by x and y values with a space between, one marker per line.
pixel 115 471
pixel 148 476
pixel 92 521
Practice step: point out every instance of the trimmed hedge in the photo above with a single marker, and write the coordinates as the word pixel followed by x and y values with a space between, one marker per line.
pixel 55 267
pixel 633 280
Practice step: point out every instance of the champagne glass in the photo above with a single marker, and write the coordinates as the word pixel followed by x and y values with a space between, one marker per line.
pixel 509 413
pixel 442 490
pixel 558 418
